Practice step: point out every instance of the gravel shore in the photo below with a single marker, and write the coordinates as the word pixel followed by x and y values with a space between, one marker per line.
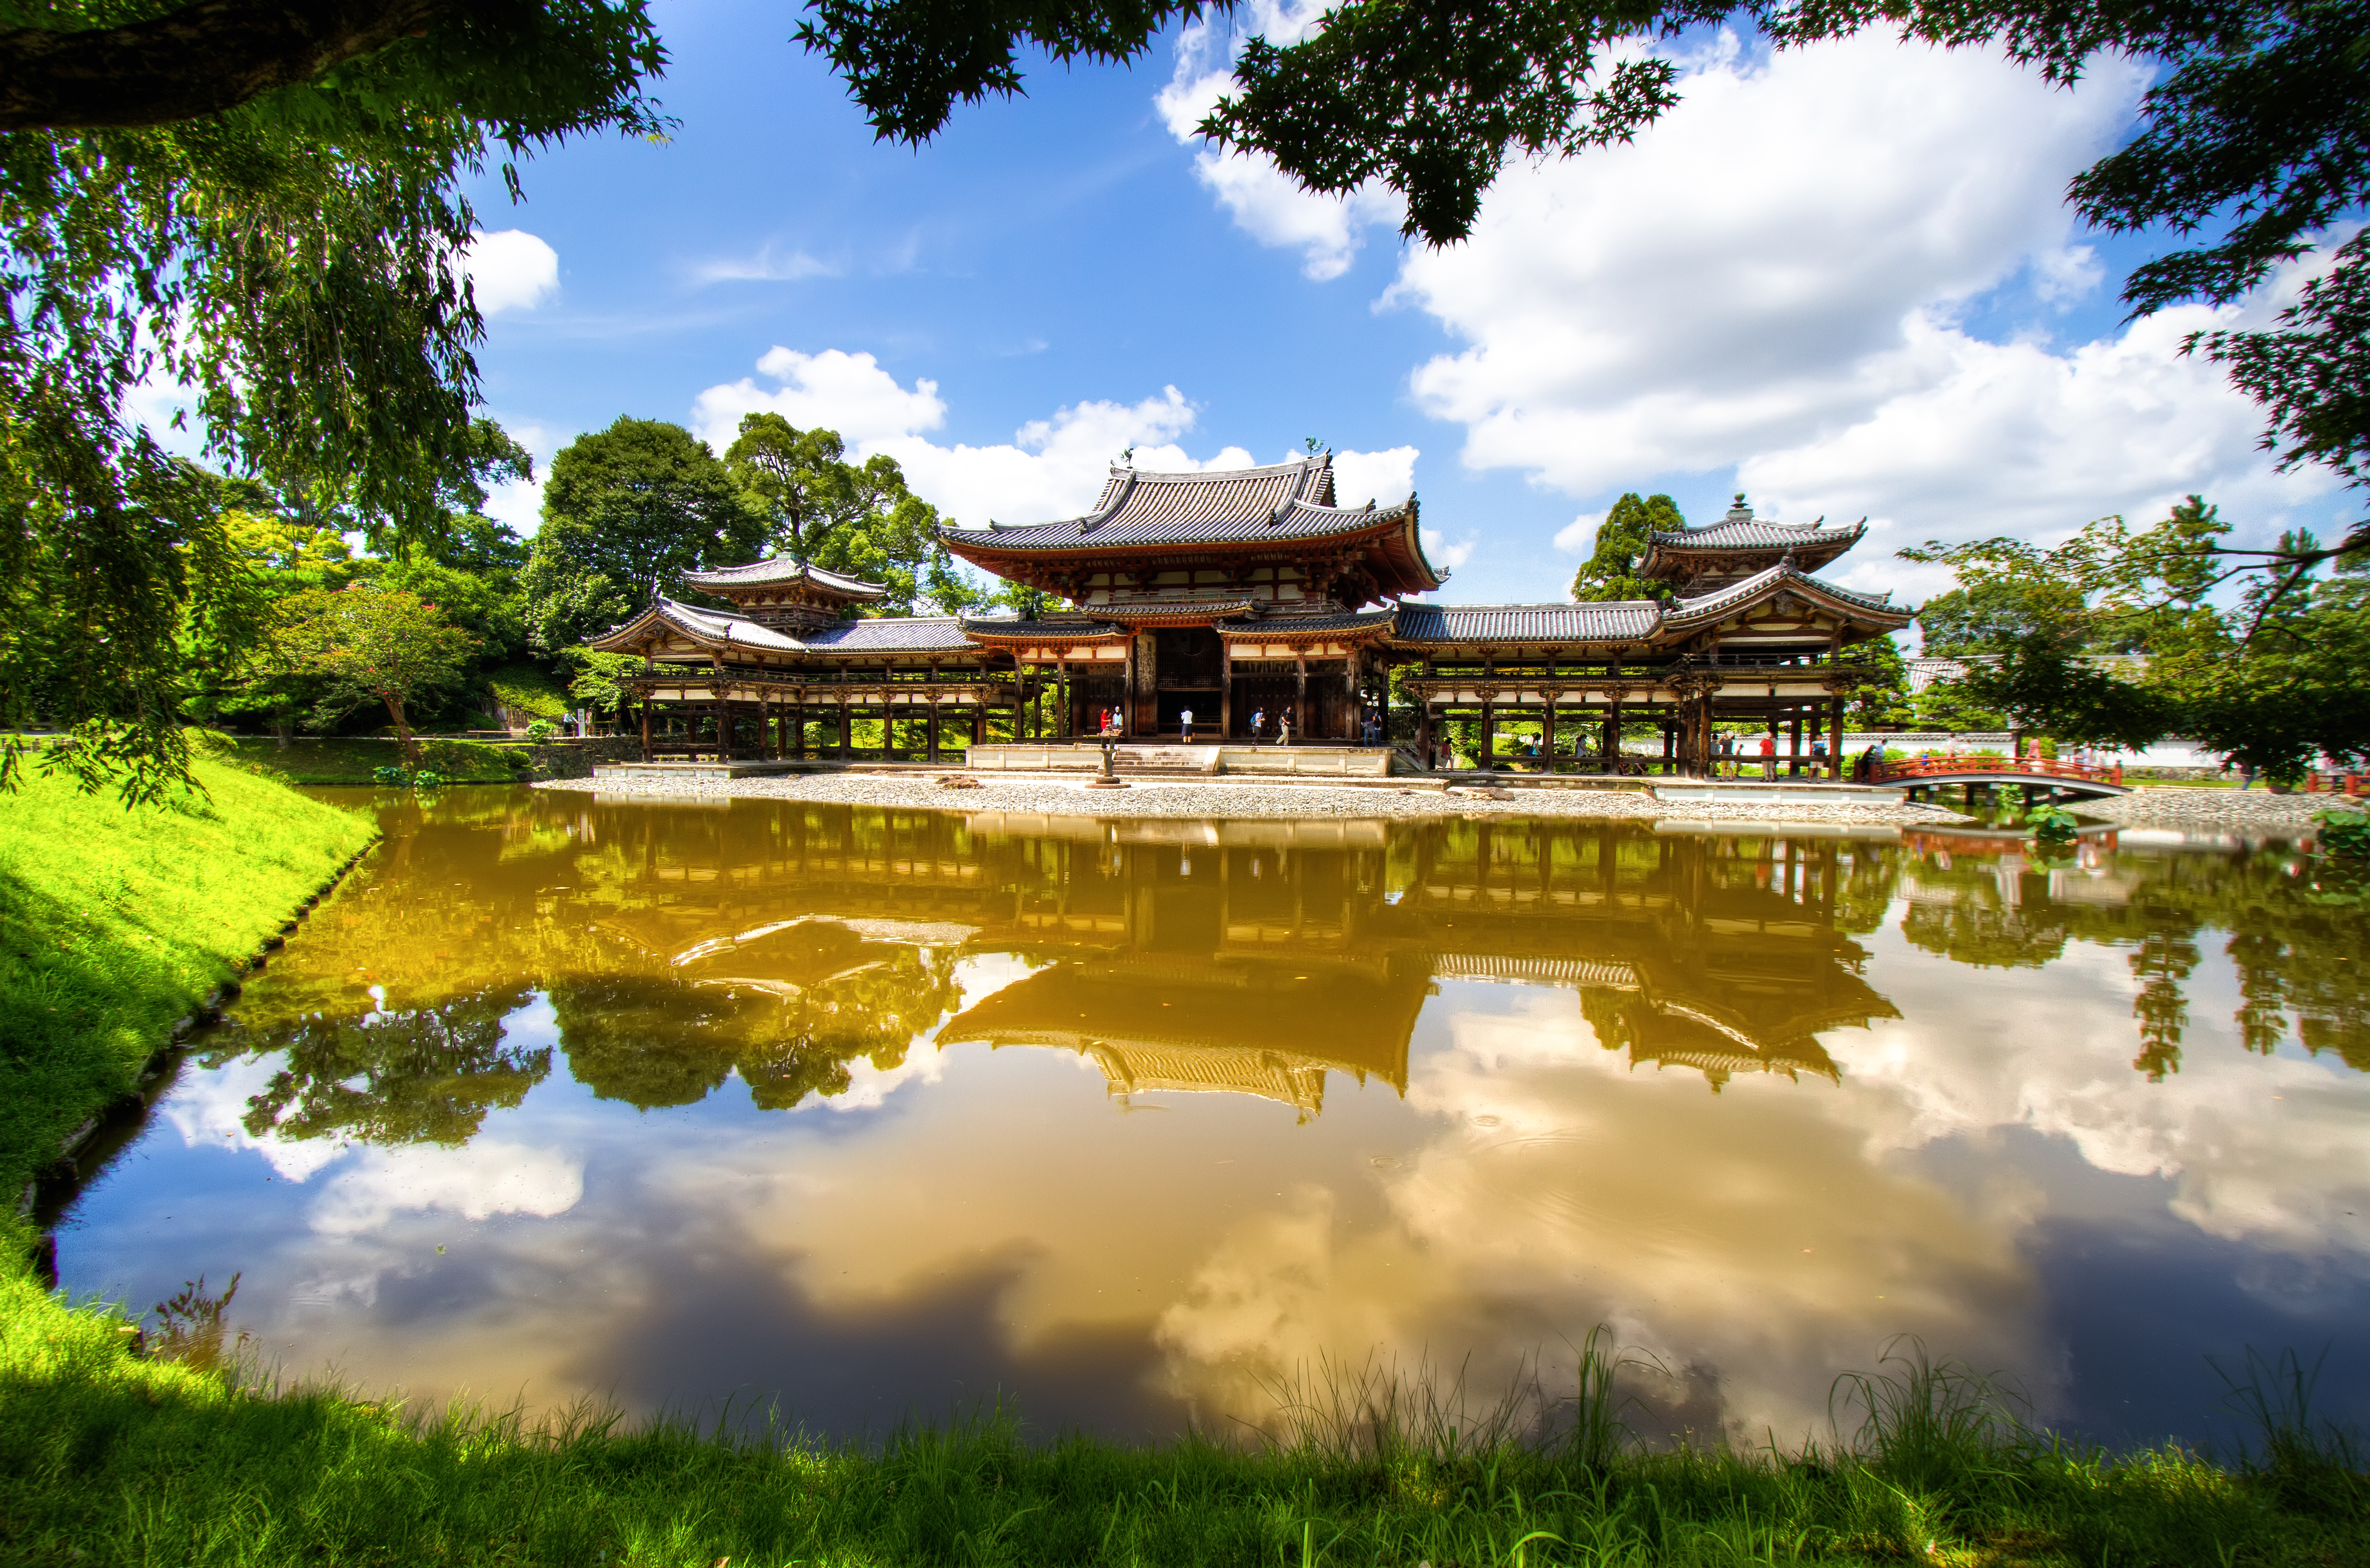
pixel 2149 807
pixel 1193 799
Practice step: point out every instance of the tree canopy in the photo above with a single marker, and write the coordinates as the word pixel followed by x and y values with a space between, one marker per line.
pixel 626 511
pixel 2271 681
pixel 1611 570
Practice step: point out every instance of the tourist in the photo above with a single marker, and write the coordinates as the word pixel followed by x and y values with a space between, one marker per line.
pixel 1258 724
pixel 1283 729
pixel 1769 754
pixel 1818 757
pixel 1185 718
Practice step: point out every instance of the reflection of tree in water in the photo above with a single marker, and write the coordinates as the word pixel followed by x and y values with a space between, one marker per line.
pixel 789 1013
pixel 426 1075
pixel 2298 953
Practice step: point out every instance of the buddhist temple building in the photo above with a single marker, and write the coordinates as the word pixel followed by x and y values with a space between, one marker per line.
pixel 1248 597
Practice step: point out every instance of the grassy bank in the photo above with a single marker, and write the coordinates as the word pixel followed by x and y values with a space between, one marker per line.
pixel 106 1457
pixel 351 760
pixel 114 923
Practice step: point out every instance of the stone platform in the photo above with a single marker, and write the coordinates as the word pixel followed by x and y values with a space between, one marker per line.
pixel 1177 759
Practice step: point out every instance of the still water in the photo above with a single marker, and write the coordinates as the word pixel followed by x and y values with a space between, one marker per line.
pixel 869 1113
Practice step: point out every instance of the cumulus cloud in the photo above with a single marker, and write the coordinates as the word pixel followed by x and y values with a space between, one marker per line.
pixel 510 269
pixel 1778 277
pixel 1269 204
pixel 477 1181
pixel 1386 477
pixel 1578 537
pixel 1052 468
pixel 847 393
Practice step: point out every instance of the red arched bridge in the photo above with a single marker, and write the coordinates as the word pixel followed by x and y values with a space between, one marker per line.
pixel 2073 778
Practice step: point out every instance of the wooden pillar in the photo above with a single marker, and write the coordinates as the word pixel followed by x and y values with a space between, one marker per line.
pixel 1612 734
pixel 646 726
pixel 1299 697
pixel 846 727
pixel 1667 738
pixel 1835 740
pixel 1548 735
pixel 1226 691
pixel 1794 745
pixel 1488 735
pixel 1423 735
pixel 1061 695
pixel 724 714
pixel 934 728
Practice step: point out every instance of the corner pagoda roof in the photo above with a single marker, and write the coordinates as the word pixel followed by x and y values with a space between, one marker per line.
pixel 1776 580
pixel 783 572
pixel 1745 539
pixel 722 631
pixel 1277 510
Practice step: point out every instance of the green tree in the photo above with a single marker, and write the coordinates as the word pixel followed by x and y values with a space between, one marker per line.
pixel 799 480
pixel 1611 571
pixel 366 643
pixel 1878 692
pixel 890 536
pixel 626 511
pixel 263 204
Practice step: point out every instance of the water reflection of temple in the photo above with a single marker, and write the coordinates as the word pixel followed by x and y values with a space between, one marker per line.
pixel 1259 956
pixel 1256 958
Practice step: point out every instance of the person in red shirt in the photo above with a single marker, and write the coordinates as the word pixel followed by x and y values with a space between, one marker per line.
pixel 1769 755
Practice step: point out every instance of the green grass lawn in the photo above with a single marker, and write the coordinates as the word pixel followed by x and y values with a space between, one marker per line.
pixel 114 923
pixel 350 760
pixel 109 1457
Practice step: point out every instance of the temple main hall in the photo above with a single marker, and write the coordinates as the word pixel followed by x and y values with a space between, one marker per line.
pixel 1251 598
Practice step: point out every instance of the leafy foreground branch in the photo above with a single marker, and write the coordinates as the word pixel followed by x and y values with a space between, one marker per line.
pixel 105 1457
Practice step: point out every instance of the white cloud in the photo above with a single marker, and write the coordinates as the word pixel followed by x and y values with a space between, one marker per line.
pixel 1578 537
pixel 766 264
pixel 847 393
pixel 1386 477
pixel 208 1110
pixel 1446 556
pixel 1052 468
pixel 510 269
pixel 477 1181
pixel 1775 276
pixel 1269 204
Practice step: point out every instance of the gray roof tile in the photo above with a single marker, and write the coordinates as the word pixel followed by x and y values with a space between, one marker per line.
pixel 1614 620
pixel 783 569
pixel 891 634
pixel 1288 500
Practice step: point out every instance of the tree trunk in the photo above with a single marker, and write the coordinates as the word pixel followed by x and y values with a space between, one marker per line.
pixel 403 741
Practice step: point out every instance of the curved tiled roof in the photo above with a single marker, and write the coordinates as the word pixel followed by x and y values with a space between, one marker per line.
pixel 1175 609
pixel 725 631
pixel 1613 621
pixel 890 634
pixel 782 570
pixel 1011 629
pixel 719 627
pixel 1740 529
pixel 1287 500
pixel 1283 628
pixel 1762 584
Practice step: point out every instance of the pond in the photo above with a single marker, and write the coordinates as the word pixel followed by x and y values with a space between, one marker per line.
pixel 701 1108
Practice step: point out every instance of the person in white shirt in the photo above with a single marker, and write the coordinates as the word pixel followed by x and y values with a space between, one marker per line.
pixel 1186 719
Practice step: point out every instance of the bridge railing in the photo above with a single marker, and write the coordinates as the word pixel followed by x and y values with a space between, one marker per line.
pixel 1961 767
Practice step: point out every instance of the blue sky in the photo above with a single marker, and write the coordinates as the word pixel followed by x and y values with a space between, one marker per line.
pixel 1843 280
